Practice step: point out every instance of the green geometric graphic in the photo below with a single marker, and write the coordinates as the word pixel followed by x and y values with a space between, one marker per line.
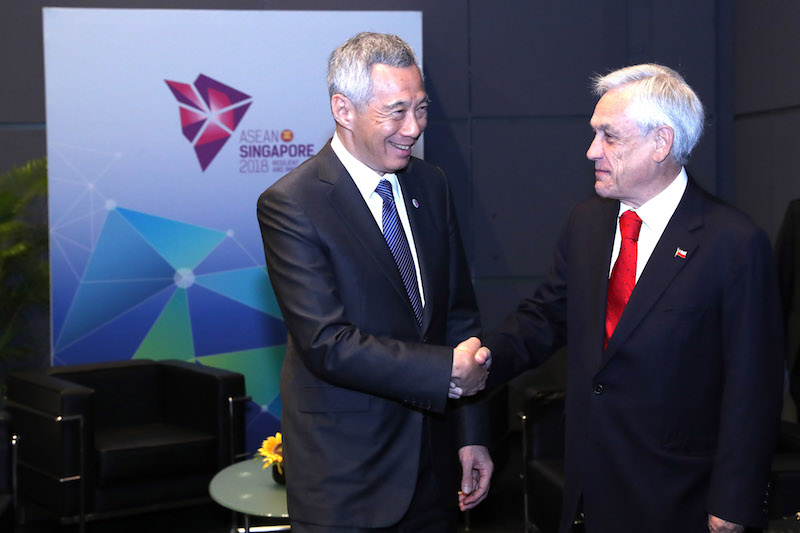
pixel 262 368
pixel 171 335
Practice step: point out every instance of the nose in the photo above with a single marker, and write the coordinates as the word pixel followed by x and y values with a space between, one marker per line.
pixel 412 126
pixel 595 150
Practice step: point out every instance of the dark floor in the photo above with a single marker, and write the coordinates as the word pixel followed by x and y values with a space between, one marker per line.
pixel 501 512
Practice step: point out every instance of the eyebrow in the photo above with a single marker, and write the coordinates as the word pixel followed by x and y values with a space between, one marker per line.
pixel 605 128
pixel 396 104
pixel 404 103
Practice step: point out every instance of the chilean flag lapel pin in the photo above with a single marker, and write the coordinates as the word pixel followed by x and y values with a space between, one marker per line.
pixel 680 252
pixel 415 203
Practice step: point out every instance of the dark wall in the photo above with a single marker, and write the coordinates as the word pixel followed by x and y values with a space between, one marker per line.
pixel 511 104
pixel 530 110
pixel 766 119
pixel 509 82
pixel 767 110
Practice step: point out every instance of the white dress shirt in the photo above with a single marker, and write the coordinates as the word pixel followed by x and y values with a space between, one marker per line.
pixel 367 180
pixel 655 214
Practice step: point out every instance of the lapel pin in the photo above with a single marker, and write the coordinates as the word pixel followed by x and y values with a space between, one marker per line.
pixel 680 252
pixel 415 203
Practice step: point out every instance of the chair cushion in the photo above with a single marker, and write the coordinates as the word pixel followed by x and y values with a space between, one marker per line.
pixel 151 451
pixel 126 392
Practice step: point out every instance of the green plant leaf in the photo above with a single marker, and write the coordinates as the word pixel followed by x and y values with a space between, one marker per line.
pixel 24 269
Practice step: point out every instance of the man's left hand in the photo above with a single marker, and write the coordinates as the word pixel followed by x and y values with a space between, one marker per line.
pixel 477 469
pixel 718 525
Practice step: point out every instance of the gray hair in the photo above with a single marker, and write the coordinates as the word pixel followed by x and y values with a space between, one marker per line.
pixel 660 97
pixel 350 65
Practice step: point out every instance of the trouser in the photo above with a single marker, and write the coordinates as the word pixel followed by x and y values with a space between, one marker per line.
pixel 426 513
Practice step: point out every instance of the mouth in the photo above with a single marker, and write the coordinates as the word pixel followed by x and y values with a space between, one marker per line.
pixel 402 147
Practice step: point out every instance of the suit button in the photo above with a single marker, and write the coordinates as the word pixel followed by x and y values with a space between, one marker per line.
pixel 425 339
pixel 598 389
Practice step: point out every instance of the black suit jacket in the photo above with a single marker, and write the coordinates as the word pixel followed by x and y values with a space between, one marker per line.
pixel 360 376
pixel 677 418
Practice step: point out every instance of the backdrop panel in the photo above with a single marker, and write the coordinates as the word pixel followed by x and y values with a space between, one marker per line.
pixel 163 127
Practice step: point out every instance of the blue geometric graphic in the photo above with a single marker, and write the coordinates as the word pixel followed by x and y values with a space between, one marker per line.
pixel 140 297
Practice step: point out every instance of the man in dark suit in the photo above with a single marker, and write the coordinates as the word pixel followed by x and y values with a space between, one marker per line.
pixel 365 257
pixel 667 301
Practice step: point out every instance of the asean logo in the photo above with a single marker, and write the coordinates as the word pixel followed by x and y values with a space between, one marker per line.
pixel 210 111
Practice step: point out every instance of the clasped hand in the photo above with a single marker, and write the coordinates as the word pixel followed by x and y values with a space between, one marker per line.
pixel 471 363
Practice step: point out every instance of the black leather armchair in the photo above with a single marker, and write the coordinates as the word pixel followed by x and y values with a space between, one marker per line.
pixel 123 437
pixel 542 458
pixel 784 499
pixel 7 478
pixel 785 493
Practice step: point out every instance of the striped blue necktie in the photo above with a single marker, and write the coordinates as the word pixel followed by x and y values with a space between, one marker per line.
pixel 398 244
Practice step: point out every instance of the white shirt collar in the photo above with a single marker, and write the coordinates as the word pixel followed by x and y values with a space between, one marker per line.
pixel 656 212
pixel 364 177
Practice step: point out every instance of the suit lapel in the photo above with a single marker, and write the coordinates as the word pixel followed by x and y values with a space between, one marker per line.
pixel 420 218
pixel 598 248
pixel 674 250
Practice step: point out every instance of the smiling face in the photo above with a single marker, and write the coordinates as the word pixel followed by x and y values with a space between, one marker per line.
pixel 627 164
pixel 382 134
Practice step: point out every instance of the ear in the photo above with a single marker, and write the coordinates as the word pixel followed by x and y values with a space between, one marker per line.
pixel 343 110
pixel 663 137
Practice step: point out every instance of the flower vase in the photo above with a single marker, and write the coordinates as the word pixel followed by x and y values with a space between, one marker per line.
pixel 278 476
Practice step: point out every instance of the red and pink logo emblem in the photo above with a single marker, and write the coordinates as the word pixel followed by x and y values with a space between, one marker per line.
pixel 210 111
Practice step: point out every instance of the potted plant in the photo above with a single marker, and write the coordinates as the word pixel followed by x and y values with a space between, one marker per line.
pixel 272 453
pixel 24 267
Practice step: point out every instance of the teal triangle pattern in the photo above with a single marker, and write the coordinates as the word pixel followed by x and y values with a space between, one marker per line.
pixel 181 245
pixel 249 286
pixel 122 254
pixel 96 304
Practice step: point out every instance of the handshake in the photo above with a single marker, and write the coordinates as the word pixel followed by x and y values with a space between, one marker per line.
pixel 471 363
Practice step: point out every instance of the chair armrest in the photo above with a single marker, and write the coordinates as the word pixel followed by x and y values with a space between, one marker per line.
pixel 789 438
pixel 47 395
pixel 208 399
pixel 542 456
pixel 6 464
pixel 544 423
pixel 53 419
pixel 8 478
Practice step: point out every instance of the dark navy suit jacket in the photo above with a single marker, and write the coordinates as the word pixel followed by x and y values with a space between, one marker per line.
pixel 677 418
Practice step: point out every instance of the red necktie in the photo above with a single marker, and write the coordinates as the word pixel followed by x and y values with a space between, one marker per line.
pixel 623 276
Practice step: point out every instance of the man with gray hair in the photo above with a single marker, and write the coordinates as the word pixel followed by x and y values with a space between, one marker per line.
pixel 667 301
pixel 364 254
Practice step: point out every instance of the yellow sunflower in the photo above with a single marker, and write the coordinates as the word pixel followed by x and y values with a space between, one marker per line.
pixel 272 451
